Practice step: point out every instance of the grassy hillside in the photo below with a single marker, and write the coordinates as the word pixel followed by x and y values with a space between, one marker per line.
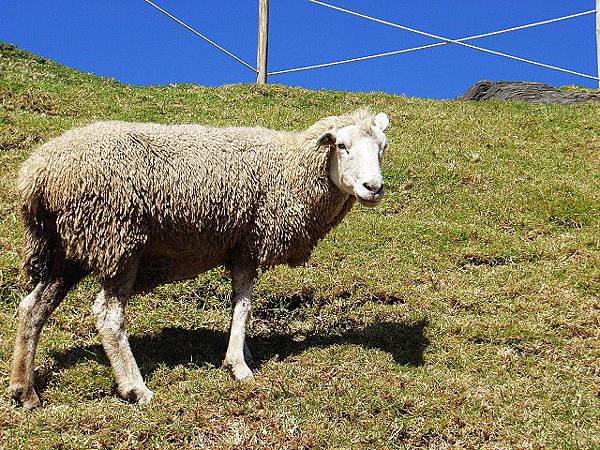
pixel 462 312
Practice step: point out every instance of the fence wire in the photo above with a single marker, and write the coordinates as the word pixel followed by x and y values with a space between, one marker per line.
pixel 423 47
pixel 444 40
pixel 200 35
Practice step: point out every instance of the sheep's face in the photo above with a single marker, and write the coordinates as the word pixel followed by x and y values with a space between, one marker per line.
pixel 355 164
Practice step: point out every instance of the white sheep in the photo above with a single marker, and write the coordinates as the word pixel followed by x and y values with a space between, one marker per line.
pixel 140 205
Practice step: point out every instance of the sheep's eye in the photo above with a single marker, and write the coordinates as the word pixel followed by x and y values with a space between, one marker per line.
pixel 341 146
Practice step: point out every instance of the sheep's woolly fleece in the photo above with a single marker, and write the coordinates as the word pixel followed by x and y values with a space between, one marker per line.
pixel 181 198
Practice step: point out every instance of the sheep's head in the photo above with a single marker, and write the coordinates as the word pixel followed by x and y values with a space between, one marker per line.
pixel 355 158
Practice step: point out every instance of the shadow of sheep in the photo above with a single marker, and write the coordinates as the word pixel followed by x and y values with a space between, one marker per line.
pixel 173 346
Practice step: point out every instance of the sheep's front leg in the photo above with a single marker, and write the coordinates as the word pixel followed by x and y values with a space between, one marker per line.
pixel 242 281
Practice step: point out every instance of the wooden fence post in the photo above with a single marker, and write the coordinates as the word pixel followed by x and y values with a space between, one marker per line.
pixel 263 41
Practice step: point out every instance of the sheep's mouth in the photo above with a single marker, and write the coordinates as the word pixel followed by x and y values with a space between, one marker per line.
pixel 367 197
pixel 371 200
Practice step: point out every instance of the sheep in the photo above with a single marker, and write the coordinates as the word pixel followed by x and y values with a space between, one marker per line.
pixel 141 205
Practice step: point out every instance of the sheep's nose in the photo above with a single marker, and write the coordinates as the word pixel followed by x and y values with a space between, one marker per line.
pixel 373 186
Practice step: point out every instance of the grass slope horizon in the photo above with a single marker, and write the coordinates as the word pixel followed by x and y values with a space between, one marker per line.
pixel 462 312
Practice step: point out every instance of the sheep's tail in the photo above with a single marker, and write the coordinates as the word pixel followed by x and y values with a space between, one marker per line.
pixel 38 248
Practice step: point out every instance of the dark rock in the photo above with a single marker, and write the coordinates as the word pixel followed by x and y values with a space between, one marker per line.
pixel 525 91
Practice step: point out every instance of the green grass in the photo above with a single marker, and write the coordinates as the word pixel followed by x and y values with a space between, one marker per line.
pixel 463 312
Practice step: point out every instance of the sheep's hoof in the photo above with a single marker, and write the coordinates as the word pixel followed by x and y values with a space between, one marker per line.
pixel 240 370
pixel 25 396
pixel 140 395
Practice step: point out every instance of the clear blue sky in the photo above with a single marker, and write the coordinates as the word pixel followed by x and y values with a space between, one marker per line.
pixel 130 41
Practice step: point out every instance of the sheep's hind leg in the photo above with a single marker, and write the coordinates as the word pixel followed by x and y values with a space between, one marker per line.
pixel 109 310
pixel 237 354
pixel 34 311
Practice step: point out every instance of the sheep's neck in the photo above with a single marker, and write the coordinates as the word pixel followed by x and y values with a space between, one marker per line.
pixel 326 204
pixel 306 208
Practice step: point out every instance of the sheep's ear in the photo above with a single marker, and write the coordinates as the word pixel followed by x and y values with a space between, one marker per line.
pixel 327 139
pixel 381 121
